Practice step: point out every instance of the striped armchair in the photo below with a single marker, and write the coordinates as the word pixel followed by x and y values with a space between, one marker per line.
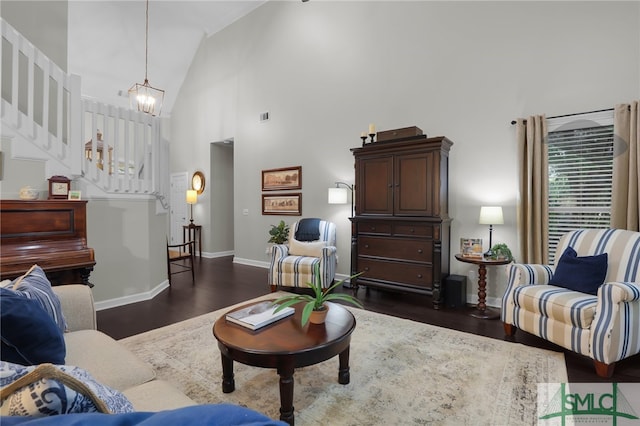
pixel 604 327
pixel 292 264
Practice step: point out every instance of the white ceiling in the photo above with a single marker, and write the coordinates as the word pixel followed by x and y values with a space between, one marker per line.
pixel 107 42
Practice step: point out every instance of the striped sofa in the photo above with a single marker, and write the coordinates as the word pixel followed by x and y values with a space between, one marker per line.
pixel 291 267
pixel 604 327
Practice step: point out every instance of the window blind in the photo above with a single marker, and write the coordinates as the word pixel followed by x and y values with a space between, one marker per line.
pixel 580 176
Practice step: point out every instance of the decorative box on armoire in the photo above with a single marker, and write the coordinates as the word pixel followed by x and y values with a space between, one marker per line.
pixel 400 231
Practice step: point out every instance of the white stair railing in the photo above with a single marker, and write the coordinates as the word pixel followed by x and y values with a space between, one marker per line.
pixel 42 104
pixel 40 101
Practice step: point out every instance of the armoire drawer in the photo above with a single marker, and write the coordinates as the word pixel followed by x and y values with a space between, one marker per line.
pixel 420 275
pixel 413 230
pixel 374 227
pixel 396 248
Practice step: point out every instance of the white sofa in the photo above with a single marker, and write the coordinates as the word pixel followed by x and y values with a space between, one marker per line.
pixel 109 362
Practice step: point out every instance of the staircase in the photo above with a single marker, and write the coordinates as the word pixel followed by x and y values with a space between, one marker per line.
pixel 46 118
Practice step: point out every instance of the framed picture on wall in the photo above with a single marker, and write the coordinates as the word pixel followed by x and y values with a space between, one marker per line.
pixel 284 178
pixel 282 204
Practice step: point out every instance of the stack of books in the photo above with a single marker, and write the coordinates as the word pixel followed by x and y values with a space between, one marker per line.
pixel 258 315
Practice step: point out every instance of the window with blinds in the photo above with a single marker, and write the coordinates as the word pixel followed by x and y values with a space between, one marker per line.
pixel 580 173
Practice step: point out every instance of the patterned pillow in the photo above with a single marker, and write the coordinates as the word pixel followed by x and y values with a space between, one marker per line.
pixel 35 285
pixel 49 389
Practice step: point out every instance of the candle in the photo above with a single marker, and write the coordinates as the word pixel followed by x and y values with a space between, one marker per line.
pixel 363 134
pixel 372 129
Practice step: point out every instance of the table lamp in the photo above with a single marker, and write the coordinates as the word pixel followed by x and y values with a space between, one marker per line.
pixel 192 198
pixel 490 215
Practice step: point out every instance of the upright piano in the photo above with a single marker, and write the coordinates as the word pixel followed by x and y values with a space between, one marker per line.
pixel 50 233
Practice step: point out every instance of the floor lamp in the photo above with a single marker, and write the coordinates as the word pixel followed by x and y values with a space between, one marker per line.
pixel 339 195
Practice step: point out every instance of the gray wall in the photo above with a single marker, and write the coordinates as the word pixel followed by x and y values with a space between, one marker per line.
pixel 43 23
pixel 325 70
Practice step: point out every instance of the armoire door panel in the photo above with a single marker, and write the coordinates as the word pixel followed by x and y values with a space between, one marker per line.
pixel 414 185
pixel 375 191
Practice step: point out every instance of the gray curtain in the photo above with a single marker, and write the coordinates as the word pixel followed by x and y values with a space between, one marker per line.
pixel 625 197
pixel 533 189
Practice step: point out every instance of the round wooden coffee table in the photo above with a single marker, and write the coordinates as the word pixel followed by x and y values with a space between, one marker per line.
pixel 285 345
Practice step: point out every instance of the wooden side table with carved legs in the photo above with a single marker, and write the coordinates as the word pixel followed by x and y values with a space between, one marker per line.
pixel 482 311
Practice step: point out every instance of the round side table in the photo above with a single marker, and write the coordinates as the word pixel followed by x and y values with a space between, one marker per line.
pixel 482 311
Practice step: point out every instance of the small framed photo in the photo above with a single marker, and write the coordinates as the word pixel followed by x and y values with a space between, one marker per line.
pixel 74 195
pixel 471 247
pixel 282 204
pixel 280 179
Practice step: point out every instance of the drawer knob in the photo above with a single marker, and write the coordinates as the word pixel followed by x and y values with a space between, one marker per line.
pixel 419 275
pixel 420 251
pixel 413 231
pixel 366 268
pixel 366 246
pixel 373 228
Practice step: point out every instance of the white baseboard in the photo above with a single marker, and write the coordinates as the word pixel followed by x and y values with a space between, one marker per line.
pixel 132 298
pixel 251 262
pixel 217 254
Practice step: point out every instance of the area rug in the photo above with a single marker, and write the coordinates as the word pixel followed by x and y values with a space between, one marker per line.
pixel 402 372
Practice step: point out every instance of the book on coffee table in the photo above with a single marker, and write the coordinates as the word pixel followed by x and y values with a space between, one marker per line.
pixel 258 315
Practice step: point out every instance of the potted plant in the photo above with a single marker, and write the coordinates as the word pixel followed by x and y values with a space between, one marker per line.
pixel 315 309
pixel 501 251
pixel 279 233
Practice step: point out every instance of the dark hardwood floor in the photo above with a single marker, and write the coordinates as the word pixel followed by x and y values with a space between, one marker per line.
pixel 220 283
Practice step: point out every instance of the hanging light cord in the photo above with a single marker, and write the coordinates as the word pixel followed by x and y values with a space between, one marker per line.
pixel 146 43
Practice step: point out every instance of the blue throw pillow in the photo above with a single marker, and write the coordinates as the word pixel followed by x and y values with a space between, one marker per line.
pixel 29 335
pixel 35 285
pixel 584 274
pixel 308 229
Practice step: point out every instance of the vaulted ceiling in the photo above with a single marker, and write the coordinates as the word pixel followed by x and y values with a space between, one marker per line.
pixel 107 42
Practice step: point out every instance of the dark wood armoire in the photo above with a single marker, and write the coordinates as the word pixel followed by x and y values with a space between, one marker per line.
pixel 400 231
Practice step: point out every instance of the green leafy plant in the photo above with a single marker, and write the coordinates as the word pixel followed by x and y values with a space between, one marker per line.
pixel 316 301
pixel 279 233
pixel 501 250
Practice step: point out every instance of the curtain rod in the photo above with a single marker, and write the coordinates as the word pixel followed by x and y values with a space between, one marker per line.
pixel 576 113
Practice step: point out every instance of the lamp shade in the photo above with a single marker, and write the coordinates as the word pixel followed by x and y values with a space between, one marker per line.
pixel 491 215
pixel 337 196
pixel 192 196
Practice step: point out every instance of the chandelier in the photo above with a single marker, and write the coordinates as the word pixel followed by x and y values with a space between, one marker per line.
pixel 143 97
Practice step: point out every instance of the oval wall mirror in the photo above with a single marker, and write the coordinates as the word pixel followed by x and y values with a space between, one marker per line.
pixel 197 182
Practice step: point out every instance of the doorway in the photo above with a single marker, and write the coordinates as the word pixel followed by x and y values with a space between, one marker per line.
pixel 222 197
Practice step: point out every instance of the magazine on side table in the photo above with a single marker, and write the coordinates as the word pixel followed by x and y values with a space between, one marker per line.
pixel 258 315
